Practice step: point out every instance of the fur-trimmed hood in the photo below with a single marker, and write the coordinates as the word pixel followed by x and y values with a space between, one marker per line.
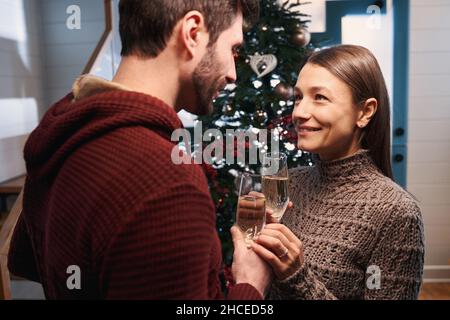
pixel 94 108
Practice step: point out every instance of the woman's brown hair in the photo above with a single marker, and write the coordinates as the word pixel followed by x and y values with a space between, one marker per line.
pixel 359 69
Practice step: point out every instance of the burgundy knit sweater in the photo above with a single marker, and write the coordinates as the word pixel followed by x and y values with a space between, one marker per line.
pixel 103 194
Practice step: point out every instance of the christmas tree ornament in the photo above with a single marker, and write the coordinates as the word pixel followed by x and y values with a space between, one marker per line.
pixel 262 65
pixel 301 37
pixel 284 91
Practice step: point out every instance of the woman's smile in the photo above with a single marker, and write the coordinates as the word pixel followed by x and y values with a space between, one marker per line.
pixel 306 130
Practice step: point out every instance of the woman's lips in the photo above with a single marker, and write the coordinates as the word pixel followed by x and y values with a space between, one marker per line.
pixel 304 130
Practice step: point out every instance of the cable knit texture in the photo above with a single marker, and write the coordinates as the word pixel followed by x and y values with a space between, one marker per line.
pixel 102 193
pixel 352 220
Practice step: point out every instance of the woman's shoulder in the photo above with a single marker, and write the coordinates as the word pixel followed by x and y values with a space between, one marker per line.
pixel 403 223
pixel 403 204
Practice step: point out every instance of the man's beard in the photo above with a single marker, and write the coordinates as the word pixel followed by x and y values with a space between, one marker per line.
pixel 207 81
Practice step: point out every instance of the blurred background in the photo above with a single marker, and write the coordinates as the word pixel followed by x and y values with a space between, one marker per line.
pixel 46 44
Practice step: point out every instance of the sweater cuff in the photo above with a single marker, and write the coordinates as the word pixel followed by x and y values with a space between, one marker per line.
pixel 244 291
pixel 298 280
pixel 299 276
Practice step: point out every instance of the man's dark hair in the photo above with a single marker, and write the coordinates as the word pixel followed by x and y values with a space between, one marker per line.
pixel 147 25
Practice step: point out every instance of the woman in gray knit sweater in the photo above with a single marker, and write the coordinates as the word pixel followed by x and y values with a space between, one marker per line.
pixel 353 233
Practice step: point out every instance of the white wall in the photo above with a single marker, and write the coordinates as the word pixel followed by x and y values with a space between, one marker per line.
pixel 428 174
pixel 39 60
pixel 21 94
pixel 67 51
pixel 375 35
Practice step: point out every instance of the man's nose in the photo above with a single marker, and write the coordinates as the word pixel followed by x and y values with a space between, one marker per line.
pixel 232 75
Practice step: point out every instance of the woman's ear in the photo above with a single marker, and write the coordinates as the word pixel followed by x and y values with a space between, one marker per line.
pixel 367 112
pixel 193 32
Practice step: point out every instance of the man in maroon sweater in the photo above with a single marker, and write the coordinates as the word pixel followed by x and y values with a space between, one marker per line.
pixel 107 214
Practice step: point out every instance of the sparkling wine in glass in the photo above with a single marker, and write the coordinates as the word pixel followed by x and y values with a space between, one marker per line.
pixel 251 209
pixel 275 183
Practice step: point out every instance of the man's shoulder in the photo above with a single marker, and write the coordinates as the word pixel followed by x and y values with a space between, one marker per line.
pixel 147 150
pixel 134 160
pixel 124 170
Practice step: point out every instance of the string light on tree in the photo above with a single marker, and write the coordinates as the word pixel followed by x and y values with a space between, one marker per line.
pixel 260 117
pixel 228 110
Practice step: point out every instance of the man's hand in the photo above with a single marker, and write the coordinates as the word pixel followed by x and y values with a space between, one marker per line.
pixel 269 212
pixel 247 266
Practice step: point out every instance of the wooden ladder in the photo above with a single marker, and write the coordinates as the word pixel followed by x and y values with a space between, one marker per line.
pixel 6 233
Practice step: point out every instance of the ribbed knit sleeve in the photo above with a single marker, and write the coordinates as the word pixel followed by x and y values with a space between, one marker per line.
pixel 244 291
pixel 302 285
pixel 161 255
pixel 399 256
pixel 158 254
pixel 21 257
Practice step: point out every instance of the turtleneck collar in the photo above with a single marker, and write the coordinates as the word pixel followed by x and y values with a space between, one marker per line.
pixel 347 167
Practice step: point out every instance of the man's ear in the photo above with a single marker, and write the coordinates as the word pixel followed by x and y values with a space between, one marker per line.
pixel 193 30
pixel 368 111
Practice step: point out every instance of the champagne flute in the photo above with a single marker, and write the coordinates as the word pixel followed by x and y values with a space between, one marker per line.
pixel 251 210
pixel 275 183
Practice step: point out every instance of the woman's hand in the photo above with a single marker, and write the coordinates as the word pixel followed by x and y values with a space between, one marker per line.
pixel 269 214
pixel 279 247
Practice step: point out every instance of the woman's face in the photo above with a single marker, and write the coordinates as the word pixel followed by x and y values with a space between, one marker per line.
pixel 325 115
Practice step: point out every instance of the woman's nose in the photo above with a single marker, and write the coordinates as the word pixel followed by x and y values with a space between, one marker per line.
pixel 301 111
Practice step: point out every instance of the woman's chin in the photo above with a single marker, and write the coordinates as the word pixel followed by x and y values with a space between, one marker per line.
pixel 305 147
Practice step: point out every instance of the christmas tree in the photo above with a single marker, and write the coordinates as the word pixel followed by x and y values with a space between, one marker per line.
pixel 262 98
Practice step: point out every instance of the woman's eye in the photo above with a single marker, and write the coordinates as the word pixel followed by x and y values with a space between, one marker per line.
pixel 298 98
pixel 320 97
